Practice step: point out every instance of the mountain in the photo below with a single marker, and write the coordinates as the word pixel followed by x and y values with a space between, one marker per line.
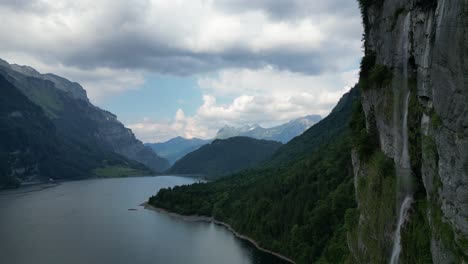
pixel 176 148
pixel 282 133
pixel 87 140
pixel 73 89
pixel 32 150
pixel 295 206
pixel 225 156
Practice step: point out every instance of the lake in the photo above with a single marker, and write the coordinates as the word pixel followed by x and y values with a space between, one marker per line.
pixel 90 222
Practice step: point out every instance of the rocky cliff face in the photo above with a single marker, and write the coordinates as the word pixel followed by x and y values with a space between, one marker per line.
pixel 123 141
pixel 414 80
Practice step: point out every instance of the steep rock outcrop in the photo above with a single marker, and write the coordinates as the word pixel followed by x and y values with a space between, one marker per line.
pixel 415 86
pixel 123 141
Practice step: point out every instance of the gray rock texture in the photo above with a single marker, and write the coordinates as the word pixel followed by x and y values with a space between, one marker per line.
pixel 123 141
pixel 425 46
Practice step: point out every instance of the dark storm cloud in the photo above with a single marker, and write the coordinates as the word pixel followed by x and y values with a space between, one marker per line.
pixel 162 59
pixel 24 5
pixel 119 36
pixel 290 9
pixel 19 4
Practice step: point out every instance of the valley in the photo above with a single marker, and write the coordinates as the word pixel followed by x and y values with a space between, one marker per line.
pixel 255 132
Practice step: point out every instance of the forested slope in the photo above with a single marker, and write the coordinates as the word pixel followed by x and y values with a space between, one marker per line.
pixel 297 210
pixel 226 156
pixel 321 133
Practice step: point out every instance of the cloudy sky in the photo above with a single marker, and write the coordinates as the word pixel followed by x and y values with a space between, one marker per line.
pixel 188 67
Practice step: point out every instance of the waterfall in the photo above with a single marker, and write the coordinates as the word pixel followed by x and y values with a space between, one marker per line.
pixel 404 185
pixel 403 168
pixel 405 206
pixel 405 164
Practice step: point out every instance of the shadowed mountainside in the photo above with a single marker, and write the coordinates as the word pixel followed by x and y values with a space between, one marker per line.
pixel 53 131
pixel 225 156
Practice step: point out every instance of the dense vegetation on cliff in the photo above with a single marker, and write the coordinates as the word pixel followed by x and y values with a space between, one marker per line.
pixel 327 130
pixel 226 156
pixel 298 209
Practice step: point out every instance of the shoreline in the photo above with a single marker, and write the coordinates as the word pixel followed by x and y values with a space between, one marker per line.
pixel 28 188
pixel 197 218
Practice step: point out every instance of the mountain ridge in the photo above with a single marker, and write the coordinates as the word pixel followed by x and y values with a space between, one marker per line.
pixel 282 133
pixel 177 147
pixel 89 137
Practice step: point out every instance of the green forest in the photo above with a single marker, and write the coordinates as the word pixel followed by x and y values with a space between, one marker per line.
pixel 301 208
pixel 226 156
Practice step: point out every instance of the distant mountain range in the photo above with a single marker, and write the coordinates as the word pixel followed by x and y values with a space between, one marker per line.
pixel 225 156
pixel 176 148
pixel 49 129
pixel 282 133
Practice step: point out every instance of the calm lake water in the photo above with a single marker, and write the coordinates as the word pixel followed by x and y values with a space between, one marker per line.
pixel 89 222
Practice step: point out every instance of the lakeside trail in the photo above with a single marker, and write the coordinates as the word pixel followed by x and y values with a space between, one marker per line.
pixel 197 218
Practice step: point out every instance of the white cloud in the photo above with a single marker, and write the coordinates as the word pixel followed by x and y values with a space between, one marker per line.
pixel 183 37
pixel 266 97
pixel 150 131
pixel 271 81
pixel 273 60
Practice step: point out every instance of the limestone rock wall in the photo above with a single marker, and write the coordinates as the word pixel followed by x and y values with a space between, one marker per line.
pixel 419 48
